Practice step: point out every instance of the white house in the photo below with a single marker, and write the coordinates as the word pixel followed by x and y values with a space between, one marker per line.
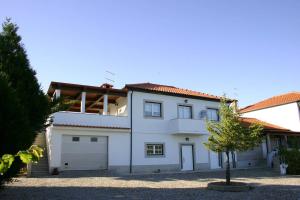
pixel 140 128
pixel 283 111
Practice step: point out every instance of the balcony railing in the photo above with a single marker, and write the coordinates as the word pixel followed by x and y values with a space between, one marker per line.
pixel 188 126
pixel 90 119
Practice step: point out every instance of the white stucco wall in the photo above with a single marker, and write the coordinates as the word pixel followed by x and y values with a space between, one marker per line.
pixel 118 143
pixel 169 109
pixel 145 130
pixel 151 130
pixel 120 108
pixel 286 116
pixel 172 148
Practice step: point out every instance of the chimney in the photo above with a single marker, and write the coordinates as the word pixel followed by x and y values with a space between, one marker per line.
pixel 234 105
pixel 106 86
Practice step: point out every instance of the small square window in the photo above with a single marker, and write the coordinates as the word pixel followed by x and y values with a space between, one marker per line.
pixel 75 139
pixel 94 139
pixel 155 149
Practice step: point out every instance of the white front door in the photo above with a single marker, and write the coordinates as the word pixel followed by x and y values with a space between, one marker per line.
pixel 187 161
pixel 215 160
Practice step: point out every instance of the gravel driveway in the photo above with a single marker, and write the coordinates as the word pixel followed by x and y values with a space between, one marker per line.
pixel 86 185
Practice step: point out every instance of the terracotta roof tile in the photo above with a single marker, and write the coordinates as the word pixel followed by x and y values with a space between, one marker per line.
pixel 171 90
pixel 273 101
pixel 267 126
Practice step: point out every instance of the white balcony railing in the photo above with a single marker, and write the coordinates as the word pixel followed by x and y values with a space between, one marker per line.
pixel 188 126
pixel 90 119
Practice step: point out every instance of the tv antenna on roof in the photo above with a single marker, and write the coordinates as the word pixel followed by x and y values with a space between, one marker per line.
pixel 110 76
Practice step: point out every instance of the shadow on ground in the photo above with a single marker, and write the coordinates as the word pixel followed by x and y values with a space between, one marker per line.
pixel 199 176
pixel 49 193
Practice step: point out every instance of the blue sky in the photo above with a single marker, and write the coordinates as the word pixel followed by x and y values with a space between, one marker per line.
pixel 247 49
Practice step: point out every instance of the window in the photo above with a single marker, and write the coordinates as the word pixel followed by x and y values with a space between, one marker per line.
pixel 75 139
pixel 152 109
pixel 293 142
pixel 155 149
pixel 213 114
pixel 94 139
pixel 184 112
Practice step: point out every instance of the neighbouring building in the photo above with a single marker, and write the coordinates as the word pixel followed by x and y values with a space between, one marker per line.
pixel 281 114
pixel 141 128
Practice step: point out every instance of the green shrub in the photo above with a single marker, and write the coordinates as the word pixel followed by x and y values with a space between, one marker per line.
pixel 292 158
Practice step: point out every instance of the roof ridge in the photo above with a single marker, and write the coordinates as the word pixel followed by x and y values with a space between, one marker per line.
pixel 276 100
pixel 150 84
pixel 172 89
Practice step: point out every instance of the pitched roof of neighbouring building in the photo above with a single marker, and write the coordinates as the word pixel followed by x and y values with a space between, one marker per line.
pixel 171 90
pixel 273 101
pixel 267 126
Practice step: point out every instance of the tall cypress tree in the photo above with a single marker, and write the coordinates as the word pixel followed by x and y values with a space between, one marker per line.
pixel 23 105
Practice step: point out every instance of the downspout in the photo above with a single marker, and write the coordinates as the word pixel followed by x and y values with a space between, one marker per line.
pixel 130 166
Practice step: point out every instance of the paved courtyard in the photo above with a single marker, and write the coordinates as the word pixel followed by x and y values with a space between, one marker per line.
pixel 83 185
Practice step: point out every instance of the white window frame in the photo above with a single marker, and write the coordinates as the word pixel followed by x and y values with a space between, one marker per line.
pixel 94 139
pixel 182 105
pixel 154 153
pixel 216 109
pixel 73 137
pixel 147 102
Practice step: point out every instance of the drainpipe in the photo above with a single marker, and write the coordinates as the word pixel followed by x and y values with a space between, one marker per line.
pixel 130 167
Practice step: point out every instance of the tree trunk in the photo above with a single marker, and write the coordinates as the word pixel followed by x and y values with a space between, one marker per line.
pixel 227 169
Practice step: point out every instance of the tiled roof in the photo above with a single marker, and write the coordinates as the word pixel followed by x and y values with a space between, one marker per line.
pixel 171 90
pixel 273 101
pixel 267 126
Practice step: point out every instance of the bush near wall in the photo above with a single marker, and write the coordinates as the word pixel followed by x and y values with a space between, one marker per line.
pixel 292 158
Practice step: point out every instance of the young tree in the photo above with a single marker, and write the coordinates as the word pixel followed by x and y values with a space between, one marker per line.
pixel 230 135
pixel 23 106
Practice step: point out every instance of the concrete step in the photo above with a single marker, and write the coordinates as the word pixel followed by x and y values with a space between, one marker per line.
pixel 39 174
pixel 40 168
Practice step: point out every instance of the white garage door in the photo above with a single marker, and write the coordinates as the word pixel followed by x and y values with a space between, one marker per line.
pixel 84 152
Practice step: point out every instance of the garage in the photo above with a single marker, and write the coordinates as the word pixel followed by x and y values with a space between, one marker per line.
pixel 84 152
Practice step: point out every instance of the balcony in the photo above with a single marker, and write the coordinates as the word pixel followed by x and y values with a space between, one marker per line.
pixel 187 127
pixel 90 120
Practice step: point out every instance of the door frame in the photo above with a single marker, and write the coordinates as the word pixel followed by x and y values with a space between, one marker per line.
pixel 193 154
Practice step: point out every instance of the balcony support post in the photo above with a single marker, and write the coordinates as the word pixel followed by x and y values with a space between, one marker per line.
pixel 105 104
pixel 57 93
pixel 83 97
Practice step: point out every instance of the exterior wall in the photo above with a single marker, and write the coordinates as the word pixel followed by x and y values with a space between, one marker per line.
pixel 89 119
pixel 157 130
pixel 251 158
pixel 118 145
pixel 286 116
pixel 171 160
pixel 169 108
pixel 119 109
